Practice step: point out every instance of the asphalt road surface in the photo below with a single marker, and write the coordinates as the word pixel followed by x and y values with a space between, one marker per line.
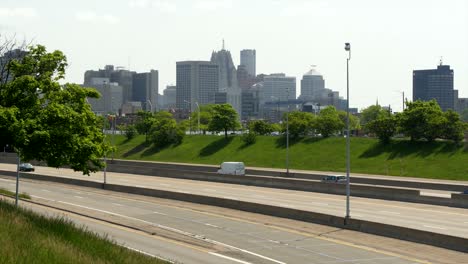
pixel 440 219
pixel 242 241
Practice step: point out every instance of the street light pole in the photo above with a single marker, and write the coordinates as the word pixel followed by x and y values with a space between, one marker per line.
pixel 348 190
pixel 287 136
pixel 105 155
pixel 17 179
pixel 190 113
pixel 198 118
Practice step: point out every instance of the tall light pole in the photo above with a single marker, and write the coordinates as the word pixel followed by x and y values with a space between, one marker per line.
pixel 198 118
pixel 17 178
pixel 190 113
pixel 287 136
pixel 105 153
pixel 348 190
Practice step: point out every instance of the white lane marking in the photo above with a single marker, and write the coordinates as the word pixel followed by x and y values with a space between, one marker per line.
pixel 210 190
pixel 389 212
pixel 435 227
pixel 40 197
pixel 165 184
pixel 251 253
pixel 140 186
pixel 358 215
pixel 140 251
pixel 78 192
pixel 44 190
pixel 232 259
pixel 159 213
pixel 117 204
pixel 215 226
pixel 284 205
pixel 173 229
pixel 79 197
pixel 259 196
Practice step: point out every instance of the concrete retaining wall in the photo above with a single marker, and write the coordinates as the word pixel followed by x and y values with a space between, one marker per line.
pixel 418 236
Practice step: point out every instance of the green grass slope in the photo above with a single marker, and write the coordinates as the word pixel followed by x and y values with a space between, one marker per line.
pixel 26 237
pixel 442 160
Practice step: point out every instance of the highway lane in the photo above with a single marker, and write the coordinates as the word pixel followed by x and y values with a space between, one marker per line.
pixel 440 219
pixel 248 242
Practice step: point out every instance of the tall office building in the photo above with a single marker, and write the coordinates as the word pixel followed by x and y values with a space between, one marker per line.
pixel 312 85
pixel 169 95
pixel 145 89
pixel 197 82
pixel 115 75
pixel 276 87
pixel 5 58
pixel 111 99
pixel 435 84
pixel 228 79
pixel 248 59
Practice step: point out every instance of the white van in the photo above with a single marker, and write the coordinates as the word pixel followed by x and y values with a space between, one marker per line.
pixel 232 168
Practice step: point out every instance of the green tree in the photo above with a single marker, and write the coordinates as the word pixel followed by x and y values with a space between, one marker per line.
pixel 384 127
pixel 354 122
pixel 130 131
pixel 422 120
pixel 454 128
pixel 372 113
pixel 47 121
pixel 464 115
pixel 260 127
pixel 224 119
pixel 329 122
pixel 165 131
pixel 300 124
pixel 249 138
pixel 144 124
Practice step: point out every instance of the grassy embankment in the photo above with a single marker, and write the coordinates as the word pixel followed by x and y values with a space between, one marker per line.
pixel 441 160
pixel 26 237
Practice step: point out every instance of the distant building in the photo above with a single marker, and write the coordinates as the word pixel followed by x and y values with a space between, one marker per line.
pixel 197 82
pixel 228 78
pixel 313 91
pixel 5 58
pixel 145 89
pixel 277 87
pixel 248 59
pixel 312 85
pixel 169 95
pixel 115 75
pixel 111 98
pixel 435 84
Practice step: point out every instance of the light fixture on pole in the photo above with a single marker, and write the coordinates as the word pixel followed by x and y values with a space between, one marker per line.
pixel 348 190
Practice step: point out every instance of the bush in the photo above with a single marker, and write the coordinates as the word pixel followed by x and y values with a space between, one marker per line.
pixel 130 132
pixel 249 138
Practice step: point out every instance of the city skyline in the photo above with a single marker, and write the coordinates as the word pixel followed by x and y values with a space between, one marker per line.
pixel 288 37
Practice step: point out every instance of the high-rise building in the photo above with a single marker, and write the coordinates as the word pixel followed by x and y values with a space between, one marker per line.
pixel 435 84
pixel 115 75
pixel 197 82
pixel 248 59
pixel 169 95
pixel 278 86
pixel 228 78
pixel 145 89
pixel 111 98
pixel 312 84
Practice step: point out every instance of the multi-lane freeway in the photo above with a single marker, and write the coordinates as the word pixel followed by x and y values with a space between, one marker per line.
pixel 232 239
pixel 440 219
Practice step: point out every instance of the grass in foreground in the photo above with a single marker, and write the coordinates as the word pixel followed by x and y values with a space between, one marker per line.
pixel 21 195
pixel 439 160
pixel 26 237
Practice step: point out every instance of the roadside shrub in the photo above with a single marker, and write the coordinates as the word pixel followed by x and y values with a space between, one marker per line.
pixel 249 138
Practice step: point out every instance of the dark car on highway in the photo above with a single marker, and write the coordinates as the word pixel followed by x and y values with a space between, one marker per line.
pixel 335 179
pixel 26 167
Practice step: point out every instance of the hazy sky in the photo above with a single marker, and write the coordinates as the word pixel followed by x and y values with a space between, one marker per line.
pixel 389 38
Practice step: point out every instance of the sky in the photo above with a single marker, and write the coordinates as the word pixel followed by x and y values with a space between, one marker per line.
pixel 389 39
